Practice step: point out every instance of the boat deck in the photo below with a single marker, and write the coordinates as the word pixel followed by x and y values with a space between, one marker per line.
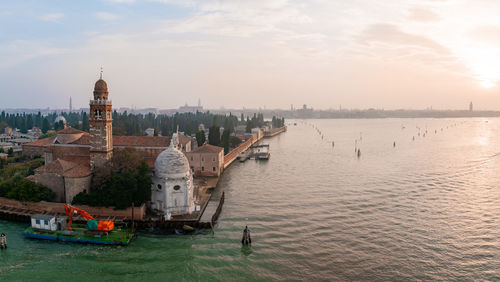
pixel 117 237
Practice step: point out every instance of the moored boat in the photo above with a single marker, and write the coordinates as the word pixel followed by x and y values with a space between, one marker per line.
pixel 50 227
pixel 261 152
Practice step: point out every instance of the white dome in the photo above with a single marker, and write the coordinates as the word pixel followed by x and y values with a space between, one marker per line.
pixel 60 118
pixel 171 163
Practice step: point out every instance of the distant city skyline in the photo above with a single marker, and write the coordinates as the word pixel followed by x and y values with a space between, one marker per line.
pixel 165 53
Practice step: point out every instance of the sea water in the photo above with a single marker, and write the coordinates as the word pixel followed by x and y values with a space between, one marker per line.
pixel 410 207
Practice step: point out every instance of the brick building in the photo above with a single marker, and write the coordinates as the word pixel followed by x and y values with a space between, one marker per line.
pixel 71 155
pixel 207 160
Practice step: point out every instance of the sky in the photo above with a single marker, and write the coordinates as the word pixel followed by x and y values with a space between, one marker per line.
pixel 386 54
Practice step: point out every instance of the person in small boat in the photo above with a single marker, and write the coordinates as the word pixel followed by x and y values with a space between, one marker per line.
pixel 3 241
pixel 246 239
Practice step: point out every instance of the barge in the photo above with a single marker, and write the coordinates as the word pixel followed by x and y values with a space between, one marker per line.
pixel 103 232
pixel 80 234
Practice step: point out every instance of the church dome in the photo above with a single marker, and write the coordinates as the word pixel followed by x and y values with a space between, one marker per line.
pixel 101 90
pixel 60 118
pixel 171 163
pixel 101 85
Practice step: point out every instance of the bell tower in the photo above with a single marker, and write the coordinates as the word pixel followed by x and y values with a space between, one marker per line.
pixel 101 125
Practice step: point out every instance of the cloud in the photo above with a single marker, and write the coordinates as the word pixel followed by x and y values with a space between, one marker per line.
pixel 53 17
pixel 19 51
pixel 423 15
pixel 105 16
pixel 487 34
pixel 392 35
pixel 388 42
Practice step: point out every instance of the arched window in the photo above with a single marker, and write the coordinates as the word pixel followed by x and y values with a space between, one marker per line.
pixel 159 187
pixel 177 187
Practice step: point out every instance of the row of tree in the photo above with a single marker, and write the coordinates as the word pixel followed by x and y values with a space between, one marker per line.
pixel 278 122
pixel 123 123
pixel 13 184
pixel 135 124
pixel 24 121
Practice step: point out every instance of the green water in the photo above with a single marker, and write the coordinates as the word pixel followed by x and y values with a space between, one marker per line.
pixel 154 257
pixel 426 209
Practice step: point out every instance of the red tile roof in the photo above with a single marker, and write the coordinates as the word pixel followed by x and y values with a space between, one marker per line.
pixel 83 140
pixel 42 142
pixel 65 168
pixel 141 141
pixel 70 130
pixel 78 171
pixel 207 148
pixel 58 166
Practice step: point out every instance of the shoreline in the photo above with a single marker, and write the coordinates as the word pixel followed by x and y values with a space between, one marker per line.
pixel 13 210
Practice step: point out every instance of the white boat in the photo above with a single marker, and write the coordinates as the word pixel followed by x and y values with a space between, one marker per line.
pixel 261 152
pixel 243 156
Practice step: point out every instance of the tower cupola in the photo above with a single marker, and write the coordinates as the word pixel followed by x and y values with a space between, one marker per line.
pixel 101 90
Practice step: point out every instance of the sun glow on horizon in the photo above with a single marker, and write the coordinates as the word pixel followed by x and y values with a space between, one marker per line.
pixel 487 84
pixel 484 63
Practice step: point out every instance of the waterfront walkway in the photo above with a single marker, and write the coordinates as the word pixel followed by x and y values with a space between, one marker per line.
pixel 212 204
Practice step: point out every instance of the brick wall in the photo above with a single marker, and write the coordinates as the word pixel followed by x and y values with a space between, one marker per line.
pixel 33 151
pixel 53 181
pixel 234 153
pixel 74 186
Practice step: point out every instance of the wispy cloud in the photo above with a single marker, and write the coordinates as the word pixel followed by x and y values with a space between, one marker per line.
pixel 52 17
pixel 423 15
pixel 105 16
pixel 489 34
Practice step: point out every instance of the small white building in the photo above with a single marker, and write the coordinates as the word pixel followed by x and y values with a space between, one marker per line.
pixel 150 131
pixel 172 190
pixel 43 221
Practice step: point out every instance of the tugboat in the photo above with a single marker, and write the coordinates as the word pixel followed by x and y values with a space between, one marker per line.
pixel 50 227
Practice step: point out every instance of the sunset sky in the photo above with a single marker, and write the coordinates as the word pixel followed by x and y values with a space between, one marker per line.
pixel 359 54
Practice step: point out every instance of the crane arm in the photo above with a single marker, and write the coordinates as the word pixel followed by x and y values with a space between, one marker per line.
pixel 70 210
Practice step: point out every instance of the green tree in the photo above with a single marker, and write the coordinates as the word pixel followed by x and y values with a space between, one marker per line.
pixel 125 179
pixel 45 125
pixel 85 122
pixel 10 152
pixel 18 188
pixel 249 125
pixel 29 122
pixel 225 140
pixel 235 141
pixel 22 125
pixel 59 125
pixel 200 138
pixel 214 136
